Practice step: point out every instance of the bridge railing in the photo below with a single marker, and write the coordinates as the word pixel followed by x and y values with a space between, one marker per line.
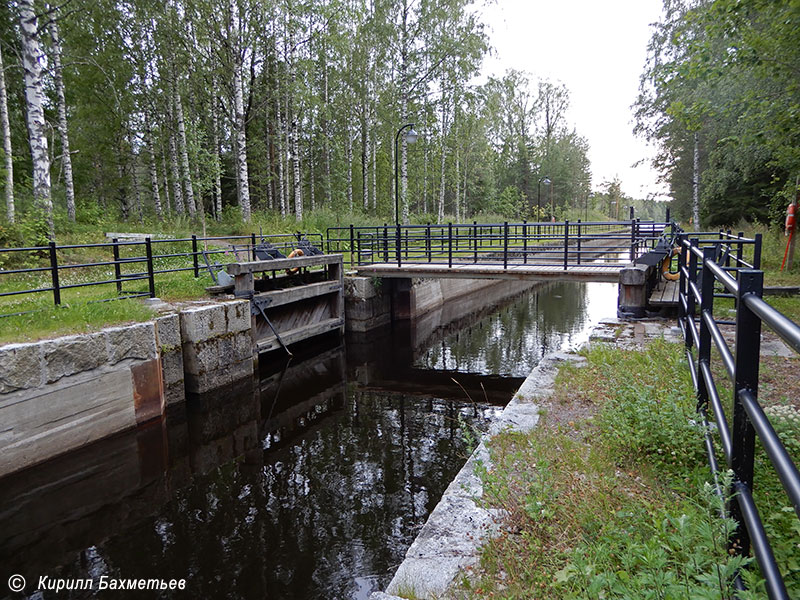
pixel 132 266
pixel 708 261
pixel 561 245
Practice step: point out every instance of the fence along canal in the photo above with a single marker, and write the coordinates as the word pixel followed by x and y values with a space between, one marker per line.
pixel 311 485
pixel 706 262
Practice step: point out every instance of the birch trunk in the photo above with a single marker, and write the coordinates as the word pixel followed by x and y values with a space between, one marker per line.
pixel 374 171
pixel 34 99
pixel 440 217
pixel 217 165
pixel 137 193
pixel 458 185
pixel 148 140
pixel 298 185
pixel 177 195
pixel 349 164
pixel 287 151
pixel 327 139
pixel 404 51
pixel 364 165
pixel 7 153
pixel 186 174
pixel 426 155
pixel 122 191
pixel 239 125
pixel 280 153
pixel 66 158
pixel 696 183
pixel 311 190
pixel 167 206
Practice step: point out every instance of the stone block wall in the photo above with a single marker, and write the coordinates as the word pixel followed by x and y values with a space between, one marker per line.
pixel 367 305
pixel 60 394
pixel 217 345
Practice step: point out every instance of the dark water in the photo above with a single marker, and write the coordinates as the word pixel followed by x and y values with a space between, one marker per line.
pixel 310 483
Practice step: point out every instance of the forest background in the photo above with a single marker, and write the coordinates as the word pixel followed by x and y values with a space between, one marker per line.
pixel 166 113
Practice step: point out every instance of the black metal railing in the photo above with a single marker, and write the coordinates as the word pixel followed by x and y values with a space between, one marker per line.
pixel 130 262
pixel 706 262
pixel 563 244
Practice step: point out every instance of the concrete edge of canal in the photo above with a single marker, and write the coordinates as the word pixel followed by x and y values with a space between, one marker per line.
pixel 450 540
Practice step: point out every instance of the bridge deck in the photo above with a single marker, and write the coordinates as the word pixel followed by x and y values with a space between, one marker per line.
pixel 608 273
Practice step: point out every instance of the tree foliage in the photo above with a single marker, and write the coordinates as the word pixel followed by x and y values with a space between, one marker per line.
pixel 725 73
pixel 184 108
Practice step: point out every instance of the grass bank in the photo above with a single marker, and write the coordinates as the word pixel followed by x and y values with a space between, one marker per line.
pixel 608 496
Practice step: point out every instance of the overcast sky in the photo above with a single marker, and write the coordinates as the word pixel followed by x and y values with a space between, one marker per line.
pixel 598 50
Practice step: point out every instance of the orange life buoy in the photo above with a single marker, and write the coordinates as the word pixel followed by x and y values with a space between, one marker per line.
pixel 789 225
pixel 665 272
pixel 294 253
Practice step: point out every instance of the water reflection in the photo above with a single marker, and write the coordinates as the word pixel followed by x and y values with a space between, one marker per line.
pixel 309 483
pixel 302 487
pixel 512 340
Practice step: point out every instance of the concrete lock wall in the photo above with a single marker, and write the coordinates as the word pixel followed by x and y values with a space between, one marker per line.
pixel 372 301
pixel 217 345
pixel 60 394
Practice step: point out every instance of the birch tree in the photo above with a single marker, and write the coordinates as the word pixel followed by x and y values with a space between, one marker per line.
pixel 32 62
pixel 66 158
pixel 7 151
pixel 234 39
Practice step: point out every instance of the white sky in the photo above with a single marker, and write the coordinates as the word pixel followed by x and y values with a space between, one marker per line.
pixel 597 49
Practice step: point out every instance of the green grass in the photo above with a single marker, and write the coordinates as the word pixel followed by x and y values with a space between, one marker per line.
pixel 51 321
pixel 615 504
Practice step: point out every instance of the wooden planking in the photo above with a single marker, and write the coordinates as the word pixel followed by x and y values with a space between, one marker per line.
pixel 608 273
pixel 300 333
pixel 279 264
pixel 65 415
pixel 665 294
pixel 295 294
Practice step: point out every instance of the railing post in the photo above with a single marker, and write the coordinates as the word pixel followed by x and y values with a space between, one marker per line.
pixel 757 252
pixel 682 282
pixel 706 306
pixel 352 243
pixel 524 242
pixel 397 245
pixel 579 241
pixel 358 249
pixel 195 262
pixel 475 235
pixel 505 244
pixel 117 269
pixel 667 219
pixel 633 237
pixel 566 244
pixel 748 338
pixel 428 252
pixel 54 274
pixel 385 243
pixel 253 246
pixel 449 245
pixel 690 299
pixel 151 279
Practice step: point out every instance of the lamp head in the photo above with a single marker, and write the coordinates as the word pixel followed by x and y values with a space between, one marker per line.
pixel 546 181
pixel 411 135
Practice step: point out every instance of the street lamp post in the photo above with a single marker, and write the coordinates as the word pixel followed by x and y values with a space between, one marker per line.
pixel 411 137
pixel 545 180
